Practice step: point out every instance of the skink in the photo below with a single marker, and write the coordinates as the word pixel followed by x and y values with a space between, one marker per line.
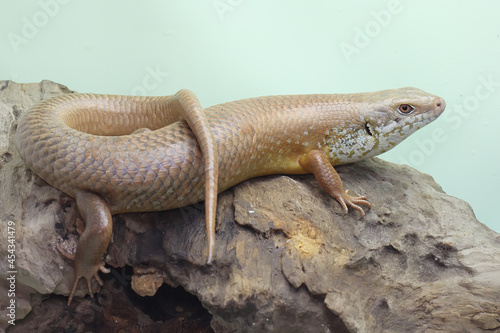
pixel 117 154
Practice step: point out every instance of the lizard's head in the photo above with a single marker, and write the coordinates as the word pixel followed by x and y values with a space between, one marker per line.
pixel 385 119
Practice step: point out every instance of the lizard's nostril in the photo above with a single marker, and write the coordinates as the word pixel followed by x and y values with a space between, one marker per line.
pixel 441 104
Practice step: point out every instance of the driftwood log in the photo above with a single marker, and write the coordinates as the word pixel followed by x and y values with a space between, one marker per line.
pixel 287 259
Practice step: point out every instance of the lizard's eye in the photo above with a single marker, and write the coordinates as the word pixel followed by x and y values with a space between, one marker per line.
pixel 405 109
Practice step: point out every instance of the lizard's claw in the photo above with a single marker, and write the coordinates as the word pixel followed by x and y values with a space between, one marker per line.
pixel 346 200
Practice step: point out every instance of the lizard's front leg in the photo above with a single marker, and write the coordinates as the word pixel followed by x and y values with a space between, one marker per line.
pixel 317 163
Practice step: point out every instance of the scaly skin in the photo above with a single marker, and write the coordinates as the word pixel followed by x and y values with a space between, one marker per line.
pixel 81 144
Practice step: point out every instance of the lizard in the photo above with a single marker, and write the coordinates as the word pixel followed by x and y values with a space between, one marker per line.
pixel 116 154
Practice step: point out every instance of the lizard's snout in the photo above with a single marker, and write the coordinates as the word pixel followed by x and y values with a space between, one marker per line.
pixel 440 105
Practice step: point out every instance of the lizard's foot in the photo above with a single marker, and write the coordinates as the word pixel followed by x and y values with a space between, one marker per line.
pixel 346 200
pixel 87 274
pixel 83 270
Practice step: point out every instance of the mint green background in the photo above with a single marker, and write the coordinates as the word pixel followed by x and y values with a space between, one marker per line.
pixel 231 49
